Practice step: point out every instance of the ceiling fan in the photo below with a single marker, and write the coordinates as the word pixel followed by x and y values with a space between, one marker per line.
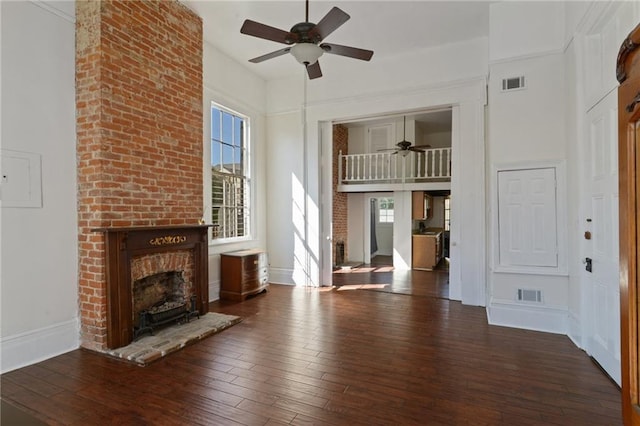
pixel 304 40
pixel 404 146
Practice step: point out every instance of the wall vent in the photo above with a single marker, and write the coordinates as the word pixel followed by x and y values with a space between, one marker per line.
pixel 525 295
pixel 513 83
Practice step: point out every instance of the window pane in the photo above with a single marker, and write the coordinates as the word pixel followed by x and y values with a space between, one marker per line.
pixel 227 158
pixel 237 161
pixel 215 155
pixel 215 123
pixel 227 128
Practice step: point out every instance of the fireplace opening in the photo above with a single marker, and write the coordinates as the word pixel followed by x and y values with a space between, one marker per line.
pixel 160 299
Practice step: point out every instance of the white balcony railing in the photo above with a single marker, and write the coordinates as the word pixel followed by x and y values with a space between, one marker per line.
pixel 432 164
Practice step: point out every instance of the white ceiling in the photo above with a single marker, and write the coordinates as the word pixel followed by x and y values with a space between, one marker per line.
pixel 389 28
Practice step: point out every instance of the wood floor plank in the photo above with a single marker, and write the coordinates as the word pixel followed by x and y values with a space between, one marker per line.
pixel 333 357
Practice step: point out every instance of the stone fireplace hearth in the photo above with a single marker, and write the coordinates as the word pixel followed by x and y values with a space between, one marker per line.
pixel 165 261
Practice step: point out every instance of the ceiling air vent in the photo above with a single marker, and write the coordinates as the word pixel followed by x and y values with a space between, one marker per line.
pixel 513 83
pixel 529 295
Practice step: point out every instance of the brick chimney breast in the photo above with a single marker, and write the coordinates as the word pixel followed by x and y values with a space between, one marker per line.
pixel 139 97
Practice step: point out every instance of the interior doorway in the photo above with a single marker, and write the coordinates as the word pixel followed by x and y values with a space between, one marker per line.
pixel 378 223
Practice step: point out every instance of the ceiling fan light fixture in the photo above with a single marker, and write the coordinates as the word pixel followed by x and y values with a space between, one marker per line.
pixel 306 53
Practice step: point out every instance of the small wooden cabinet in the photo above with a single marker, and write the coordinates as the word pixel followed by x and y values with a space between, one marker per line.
pixel 426 251
pixel 243 273
pixel 421 205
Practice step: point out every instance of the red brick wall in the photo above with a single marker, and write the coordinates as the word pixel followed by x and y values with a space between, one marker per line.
pixel 340 143
pixel 139 130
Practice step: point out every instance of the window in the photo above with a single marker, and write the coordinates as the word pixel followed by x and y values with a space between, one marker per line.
pixel 385 212
pixel 230 174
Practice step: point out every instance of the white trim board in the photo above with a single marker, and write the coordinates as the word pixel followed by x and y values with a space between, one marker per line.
pixel 528 317
pixel 38 345
pixel 281 276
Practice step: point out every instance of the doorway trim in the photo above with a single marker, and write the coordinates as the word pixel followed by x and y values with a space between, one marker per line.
pixel 468 279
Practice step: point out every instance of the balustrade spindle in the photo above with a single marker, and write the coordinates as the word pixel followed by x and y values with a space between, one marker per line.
pixel 433 164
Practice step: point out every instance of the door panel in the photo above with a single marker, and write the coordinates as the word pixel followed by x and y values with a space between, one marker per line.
pixel 603 337
pixel 527 217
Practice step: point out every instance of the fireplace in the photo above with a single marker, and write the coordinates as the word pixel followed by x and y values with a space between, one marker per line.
pixel 155 275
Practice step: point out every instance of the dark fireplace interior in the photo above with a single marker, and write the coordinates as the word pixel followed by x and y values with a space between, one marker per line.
pixel 159 293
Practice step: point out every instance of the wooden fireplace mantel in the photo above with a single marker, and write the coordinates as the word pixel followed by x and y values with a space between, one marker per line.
pixel 125 243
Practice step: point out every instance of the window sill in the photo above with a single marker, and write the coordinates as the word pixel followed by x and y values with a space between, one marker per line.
pixel 217 242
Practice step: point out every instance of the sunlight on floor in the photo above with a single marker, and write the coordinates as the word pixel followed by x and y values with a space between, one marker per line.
pixel 361 287
pixel 362 270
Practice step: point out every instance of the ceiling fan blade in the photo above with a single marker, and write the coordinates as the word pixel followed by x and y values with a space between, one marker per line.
pixel 328 24
pixel 422 146
pixel 259 30
pixel 415 148
pixel 351 52
pixel 270 55
pixel 314 70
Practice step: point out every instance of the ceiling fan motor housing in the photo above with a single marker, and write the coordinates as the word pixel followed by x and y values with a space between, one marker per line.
pixel 303 31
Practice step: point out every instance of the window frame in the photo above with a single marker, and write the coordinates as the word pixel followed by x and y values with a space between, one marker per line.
pixel 379 215
pixel 248 173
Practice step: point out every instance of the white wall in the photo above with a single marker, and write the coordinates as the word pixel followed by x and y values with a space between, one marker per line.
pixel 526 127
pixel 525 28
pixel 232 85
pixel 355 225
pixel 39 312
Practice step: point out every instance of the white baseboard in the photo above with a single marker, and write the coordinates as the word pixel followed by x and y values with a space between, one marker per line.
pixel 575 330
pixel 529 317
pixel 281 276
pixel 38 345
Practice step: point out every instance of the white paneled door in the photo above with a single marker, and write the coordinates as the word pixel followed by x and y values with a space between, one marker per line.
pixel 601 236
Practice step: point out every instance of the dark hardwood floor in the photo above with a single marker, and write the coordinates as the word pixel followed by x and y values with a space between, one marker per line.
pixel 328 357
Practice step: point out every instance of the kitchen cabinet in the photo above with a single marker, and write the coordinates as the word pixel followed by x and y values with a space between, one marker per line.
pixel 421 205
pixel 243 273
pixel 426 250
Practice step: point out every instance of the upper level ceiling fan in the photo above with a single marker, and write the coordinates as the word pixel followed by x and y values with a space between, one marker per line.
pixel 305 38
pixel 404 146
